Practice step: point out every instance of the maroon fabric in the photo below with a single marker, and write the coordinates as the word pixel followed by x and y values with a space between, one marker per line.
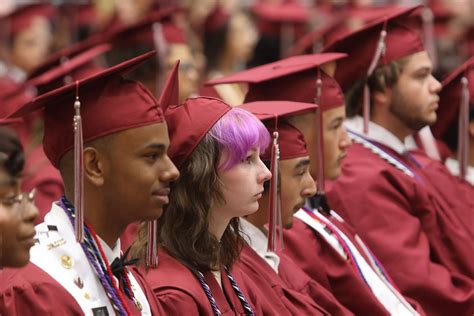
pixel 312 253
pixel 178 292
pixel 268 302
pixel 198 115
pixel 109 104
pixel 450 98
pixel 40 174
pixel 403 39
pixel 21 19
pixel 449 188
pixel 420 242
pixel 291 141
pixel 290 79
pixel 31 291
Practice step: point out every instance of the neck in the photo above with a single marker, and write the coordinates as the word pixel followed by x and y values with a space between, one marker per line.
pixel 218 224
pixel 393 125
pixel 96 215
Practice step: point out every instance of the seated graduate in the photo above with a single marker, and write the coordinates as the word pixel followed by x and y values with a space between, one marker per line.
pixel 17 213
pixel 116 170
pixel 216 148
pixel 287 193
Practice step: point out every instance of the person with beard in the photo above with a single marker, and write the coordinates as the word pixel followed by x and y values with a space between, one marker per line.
pixel 383 191
pixel 108 137
pixel 321 254
pixel 262 256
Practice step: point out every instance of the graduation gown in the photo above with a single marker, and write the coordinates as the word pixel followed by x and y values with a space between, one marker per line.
pixel 321 261
pixel 178 292
pixel 59 272
pixel 423 246
pixel 271 294
pixel 291 276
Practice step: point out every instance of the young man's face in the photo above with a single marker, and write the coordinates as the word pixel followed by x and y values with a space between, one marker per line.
pixel 296 185
pixel 138 172
pixel 414 98
pixel 336 141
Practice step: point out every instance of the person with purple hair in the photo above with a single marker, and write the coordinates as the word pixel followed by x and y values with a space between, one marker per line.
pixel 222 177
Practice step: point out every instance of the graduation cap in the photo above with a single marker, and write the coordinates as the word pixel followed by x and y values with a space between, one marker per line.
pixel 287 21
pixel 387 39
pixel 298 79
pixel 456 102
pixel 20 19
pixel 288 143
pixel 91 108
pixel 78 67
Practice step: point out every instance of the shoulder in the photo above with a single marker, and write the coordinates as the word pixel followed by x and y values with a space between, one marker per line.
pixel 30 291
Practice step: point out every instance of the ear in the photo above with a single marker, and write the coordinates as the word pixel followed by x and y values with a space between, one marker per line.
pixel 471 128
pixel 382 98
pixel 94 166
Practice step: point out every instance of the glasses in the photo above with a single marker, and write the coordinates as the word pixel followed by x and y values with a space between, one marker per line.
pixel 19 203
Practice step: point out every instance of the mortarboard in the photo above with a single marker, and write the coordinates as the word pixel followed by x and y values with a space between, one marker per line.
pixel 21 18
pixel 198 114
pixel 387 39
pixel 298 79
pixel 91 108
pixel 456 101
pixel 288 143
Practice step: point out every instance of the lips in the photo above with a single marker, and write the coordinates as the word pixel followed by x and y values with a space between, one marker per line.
pixel 162 195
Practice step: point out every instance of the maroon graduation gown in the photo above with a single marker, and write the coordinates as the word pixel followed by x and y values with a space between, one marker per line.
pixel 178 292
pixel 311 252
pixel 31 291
pixel 458 197
pixel 423 246
pixel 260 277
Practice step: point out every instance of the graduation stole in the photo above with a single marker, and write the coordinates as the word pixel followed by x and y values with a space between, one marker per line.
pixel 376 149
pixel 334 231
pixel 97 259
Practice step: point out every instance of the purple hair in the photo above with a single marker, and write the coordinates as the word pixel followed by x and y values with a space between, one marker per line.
pixel 237 132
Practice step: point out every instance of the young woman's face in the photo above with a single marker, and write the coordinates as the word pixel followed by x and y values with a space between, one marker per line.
pixel 242 185
pixel 17 227
pixel 31 46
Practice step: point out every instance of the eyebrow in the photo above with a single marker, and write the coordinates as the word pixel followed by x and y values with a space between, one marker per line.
pixel 157 146
pixel 424 68
pixel 302 163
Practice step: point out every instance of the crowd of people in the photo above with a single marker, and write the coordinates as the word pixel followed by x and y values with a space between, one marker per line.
pixel 223 157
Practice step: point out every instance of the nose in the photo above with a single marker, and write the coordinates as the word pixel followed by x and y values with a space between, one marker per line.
pixel 29 212
pixel 170 173
pixel 264 174
pixel 309 187
pixel 346 141
pixel 435 85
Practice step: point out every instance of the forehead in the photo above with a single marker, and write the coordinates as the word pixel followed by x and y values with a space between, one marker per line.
pixel 417 61
pixel 142 136
pixel 293 163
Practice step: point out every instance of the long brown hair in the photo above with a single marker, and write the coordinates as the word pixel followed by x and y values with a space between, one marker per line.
pixel 183 229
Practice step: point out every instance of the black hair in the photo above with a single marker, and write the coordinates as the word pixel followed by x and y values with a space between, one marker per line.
pixel 12 157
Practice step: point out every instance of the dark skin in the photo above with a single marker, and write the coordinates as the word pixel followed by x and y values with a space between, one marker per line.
pixel 17 227
pixel 296 185
pixel 126 179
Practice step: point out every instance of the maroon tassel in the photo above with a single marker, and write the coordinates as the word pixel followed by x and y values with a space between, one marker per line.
pixel 429 37
pixel 463 143
pixel 375 61
pixel 274 215
pixel 78 170
pixel 320 138
pixel 152 250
